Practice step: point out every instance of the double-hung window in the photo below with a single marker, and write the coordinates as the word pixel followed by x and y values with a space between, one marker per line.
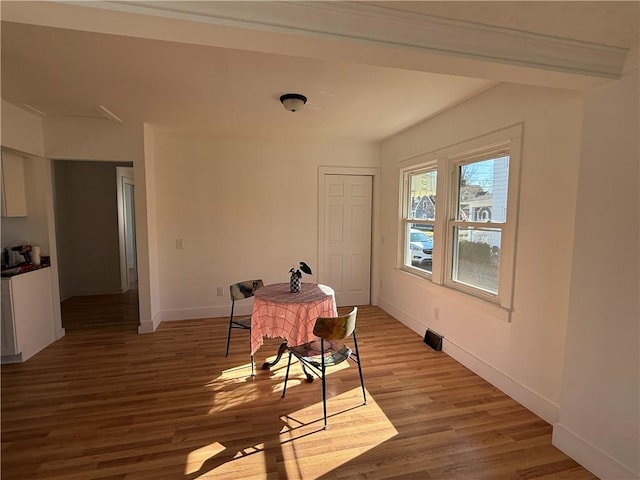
pixel 466 239
pixel 420 217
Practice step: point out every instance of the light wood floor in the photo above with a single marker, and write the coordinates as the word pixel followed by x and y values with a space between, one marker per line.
pixel 105 404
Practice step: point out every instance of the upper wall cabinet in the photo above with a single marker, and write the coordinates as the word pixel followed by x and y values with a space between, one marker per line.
pixel 14 202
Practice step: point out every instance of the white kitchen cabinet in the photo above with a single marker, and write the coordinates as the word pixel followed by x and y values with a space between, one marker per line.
pixel 14 200
pixel 26 326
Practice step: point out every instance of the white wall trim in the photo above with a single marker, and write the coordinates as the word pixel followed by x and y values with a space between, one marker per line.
pixel 589 456
pixel 215 311
pixel 7 359
pixel 95 291
pixel 202 312
pixel 402 316
pixel 59 333
pixel 149 326
pixel 538 404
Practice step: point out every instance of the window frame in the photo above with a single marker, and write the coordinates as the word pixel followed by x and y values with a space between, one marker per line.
pixel 406 220
pixel 446 163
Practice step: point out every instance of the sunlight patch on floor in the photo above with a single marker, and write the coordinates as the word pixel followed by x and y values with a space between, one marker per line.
pixel 235 386
pixel 198 457
pixel 307 449
pixel 302 447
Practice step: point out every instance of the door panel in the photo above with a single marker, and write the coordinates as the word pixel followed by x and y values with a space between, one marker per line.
pixel 347 239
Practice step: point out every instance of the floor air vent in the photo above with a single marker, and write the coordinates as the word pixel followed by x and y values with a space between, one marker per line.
pixel 434 340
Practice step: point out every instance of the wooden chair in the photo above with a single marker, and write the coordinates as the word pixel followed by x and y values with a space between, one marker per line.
pixel 241 291
pixel 330 330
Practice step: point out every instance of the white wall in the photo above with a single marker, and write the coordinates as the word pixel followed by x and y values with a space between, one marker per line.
pixel 525 357
pixel 244 208
pixel 21 130
pixel 600 404
pixel 92 139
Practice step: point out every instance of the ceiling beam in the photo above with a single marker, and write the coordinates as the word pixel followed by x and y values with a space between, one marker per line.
pixel 345 31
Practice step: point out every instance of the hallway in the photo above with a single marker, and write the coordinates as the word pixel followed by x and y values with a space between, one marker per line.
pixel 104 313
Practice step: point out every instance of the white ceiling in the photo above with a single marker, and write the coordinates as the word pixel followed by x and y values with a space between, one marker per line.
pixel 177 85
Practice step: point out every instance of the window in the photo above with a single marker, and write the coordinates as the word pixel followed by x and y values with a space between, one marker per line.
pixel 465 240
pixel 480 199
pixel 420 218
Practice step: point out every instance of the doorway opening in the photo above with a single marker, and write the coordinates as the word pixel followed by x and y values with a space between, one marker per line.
pixel 96 245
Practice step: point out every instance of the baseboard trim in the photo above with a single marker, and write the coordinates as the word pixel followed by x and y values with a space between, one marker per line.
pixel 590 457
pixel 202 312
pixel 541 406
pixel 149 326
pixel 59 333
pixel 402 316
pixel 7 359
pixel 91 292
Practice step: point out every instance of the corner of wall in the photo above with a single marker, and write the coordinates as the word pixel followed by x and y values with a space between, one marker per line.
pixel 588 456
pixel 149 326
pixel 21 130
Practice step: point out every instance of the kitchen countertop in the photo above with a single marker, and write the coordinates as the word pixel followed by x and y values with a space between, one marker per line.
pixel 14 271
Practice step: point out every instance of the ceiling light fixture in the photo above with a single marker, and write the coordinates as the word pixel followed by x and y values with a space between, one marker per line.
pixel 293 101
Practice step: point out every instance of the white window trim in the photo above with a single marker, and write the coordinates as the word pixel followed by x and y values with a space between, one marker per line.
pixel 508 140
pixel 402 240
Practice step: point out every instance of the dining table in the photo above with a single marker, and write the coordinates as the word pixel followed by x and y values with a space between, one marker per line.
pixel 280 313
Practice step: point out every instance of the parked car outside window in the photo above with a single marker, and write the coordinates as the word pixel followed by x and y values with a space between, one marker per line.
pixel 421 247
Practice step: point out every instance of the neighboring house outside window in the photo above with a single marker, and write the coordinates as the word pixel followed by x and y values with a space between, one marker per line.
pixel 459 215
pixel 420 218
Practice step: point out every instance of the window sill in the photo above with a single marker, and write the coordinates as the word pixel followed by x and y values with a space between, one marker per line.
pixel 416 272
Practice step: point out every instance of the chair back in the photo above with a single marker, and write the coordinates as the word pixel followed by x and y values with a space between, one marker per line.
pixel 336 328
pixel 244 289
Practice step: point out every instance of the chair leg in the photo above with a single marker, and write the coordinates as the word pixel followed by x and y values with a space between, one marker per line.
pixel 226 353
pixel 252 374
pixel 355 343
pixel 324 385
pixel 324 399
pixel 286 376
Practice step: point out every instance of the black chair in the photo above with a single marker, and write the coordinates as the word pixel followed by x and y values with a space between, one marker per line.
pixel 330 330
pixel 240 291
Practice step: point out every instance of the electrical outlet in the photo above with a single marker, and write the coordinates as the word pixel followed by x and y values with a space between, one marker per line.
pixel 436 314
pixel 179 244
pixel 220 294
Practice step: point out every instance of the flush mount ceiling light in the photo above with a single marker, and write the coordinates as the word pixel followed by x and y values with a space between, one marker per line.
pixel 293 101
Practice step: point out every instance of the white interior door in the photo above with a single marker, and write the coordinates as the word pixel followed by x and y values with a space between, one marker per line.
pixel 347 237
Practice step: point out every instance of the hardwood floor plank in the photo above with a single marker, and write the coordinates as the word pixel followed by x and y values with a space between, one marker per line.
pixel 106 403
